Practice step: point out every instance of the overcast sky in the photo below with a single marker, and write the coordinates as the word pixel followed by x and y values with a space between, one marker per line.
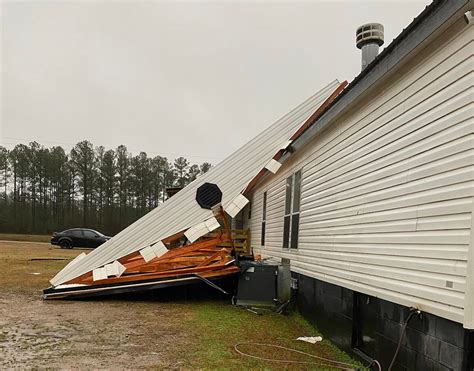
pixel 197 79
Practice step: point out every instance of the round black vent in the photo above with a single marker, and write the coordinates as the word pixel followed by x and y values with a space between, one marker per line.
pixel 208 195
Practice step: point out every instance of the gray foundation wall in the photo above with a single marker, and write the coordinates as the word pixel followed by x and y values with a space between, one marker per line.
pixel 365 325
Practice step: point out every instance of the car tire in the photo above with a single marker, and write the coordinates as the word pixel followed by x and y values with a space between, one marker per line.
pixel 65 244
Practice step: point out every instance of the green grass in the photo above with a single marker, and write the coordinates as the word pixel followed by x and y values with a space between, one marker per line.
pixel 219 327
pixel 17 267
pixel 25 237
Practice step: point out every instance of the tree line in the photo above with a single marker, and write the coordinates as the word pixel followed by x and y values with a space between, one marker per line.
pixel 47 189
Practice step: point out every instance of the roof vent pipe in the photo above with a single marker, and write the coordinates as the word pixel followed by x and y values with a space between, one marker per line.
pixel 369 37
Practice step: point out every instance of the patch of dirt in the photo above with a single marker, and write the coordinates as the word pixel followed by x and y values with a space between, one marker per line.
pixel 106 334
pixel 111 335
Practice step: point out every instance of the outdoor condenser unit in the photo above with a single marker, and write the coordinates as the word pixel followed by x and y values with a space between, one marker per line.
pixel 263 284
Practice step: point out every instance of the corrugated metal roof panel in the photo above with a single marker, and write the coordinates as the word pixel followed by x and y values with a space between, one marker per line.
pixel 182 211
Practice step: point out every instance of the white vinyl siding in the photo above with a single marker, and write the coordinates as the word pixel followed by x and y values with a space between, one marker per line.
pixel 388 188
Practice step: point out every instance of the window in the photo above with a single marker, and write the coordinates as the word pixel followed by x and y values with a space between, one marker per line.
pixel 264 219
pixel 76 232
pixel 89 234
pixel 291 222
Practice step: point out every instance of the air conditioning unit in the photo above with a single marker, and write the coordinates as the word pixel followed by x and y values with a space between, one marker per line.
pixel 263 284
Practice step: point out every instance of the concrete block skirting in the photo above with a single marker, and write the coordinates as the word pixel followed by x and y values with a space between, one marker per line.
pixel 362 324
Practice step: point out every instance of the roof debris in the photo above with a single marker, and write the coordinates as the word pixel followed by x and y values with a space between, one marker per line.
pixel 182 240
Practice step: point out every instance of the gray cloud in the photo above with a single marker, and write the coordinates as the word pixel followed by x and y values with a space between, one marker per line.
pixel 197 78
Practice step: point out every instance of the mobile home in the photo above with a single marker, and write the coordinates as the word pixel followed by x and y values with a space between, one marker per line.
pixel 373 210
pixel 366 191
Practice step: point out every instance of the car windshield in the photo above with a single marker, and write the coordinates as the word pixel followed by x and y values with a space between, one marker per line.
pixel 100 234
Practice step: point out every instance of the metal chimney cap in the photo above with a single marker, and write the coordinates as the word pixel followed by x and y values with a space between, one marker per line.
pixel 369 33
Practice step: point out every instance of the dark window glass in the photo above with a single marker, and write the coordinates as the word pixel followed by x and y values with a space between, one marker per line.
pixel 297 192
pixel 89 234
pixel 76 233
pixel 295 223
pixel 286 231
pixel 292 211
pixel 264 217
pixel 289 187
pixel 264 206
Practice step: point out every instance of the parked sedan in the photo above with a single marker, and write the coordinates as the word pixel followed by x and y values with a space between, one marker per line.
pixel 78 237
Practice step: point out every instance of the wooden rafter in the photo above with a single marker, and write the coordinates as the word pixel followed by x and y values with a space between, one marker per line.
pixel 205 257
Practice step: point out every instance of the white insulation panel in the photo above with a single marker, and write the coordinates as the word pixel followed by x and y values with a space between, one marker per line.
pixel 201 229
pixel 115 269
pixel 212 224
pixel 99 274
pixel 286 144
pixel 154 251
pixel 273 166
pixel 236 205
pixel 196 231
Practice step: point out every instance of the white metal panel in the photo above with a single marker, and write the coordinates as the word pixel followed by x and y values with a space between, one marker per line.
pixel 181 211
pixel 76 259
pixel 388 188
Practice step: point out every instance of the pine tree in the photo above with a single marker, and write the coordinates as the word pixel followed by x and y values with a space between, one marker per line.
pixel 193 172
pixel 205 167
pixel 181 166
pixel 4 172
pixel 45 189
pixel 84 161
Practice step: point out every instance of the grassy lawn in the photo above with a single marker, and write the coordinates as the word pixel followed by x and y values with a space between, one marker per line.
pixel 152 333
pixel 25 237
pixel 26 268
pixel 221 326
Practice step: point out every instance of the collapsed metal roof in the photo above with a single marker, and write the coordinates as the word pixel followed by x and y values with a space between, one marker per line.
pixel 232 176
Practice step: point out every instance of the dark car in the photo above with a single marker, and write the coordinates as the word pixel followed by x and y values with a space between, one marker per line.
pixel 78 237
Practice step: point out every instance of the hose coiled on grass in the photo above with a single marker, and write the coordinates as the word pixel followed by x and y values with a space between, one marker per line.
pixel 322 361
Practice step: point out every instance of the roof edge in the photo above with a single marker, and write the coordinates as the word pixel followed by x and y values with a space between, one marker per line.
pixel 425 24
